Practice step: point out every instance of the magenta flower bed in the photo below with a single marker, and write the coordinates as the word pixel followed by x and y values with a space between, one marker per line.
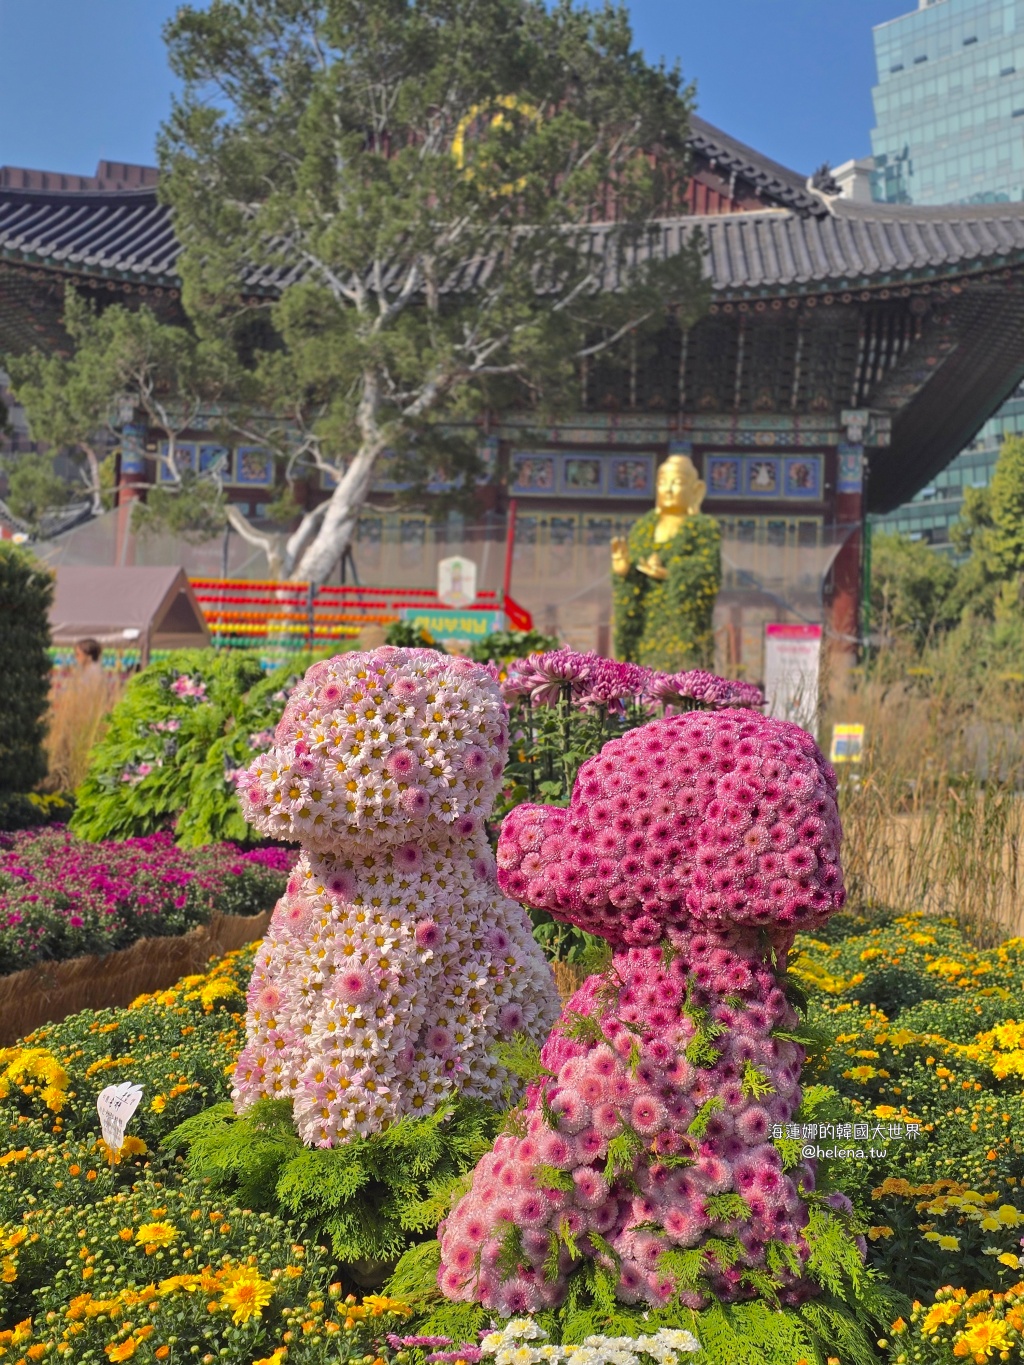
pixel 61 897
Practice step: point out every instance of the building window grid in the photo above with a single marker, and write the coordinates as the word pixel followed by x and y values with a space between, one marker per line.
pixel 949 130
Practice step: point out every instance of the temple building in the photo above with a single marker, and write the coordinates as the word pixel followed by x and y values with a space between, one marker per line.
pixel 849 351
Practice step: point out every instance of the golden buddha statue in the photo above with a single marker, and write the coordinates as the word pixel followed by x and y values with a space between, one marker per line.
pixel 666 575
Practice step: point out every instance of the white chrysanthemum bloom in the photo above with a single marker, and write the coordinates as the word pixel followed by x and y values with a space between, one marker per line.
pixel 393 964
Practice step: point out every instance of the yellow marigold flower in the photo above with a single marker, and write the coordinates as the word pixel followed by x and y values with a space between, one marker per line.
pixel 375 1304
pixel 246 1293
pixel 275 1358
pixel 939 1315
pixel 156 1234
pixel 1008 1258
pixel 176 1282
pixel 158 1104
pixel 123 1350
pixel 881 1231
pixel 948 1243
pixel 983 1336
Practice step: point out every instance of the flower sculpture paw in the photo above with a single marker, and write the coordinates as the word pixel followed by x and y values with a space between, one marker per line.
pixel 393 963
pixel 697 846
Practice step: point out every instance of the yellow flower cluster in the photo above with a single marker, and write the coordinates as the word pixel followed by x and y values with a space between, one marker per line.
pixel 978 1327
pixel 940 1198
pixel 816 975
pixel 33 1070
pixel 238 1289
pixel 1002 1048
pixel 9 1244
pixel 214 987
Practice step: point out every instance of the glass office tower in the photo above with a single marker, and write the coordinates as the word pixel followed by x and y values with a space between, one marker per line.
pixel 949 114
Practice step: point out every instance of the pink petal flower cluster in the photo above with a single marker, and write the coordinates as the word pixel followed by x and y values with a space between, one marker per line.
pixel 594 682
pixel 393 963
pixel 695 685
pixel 697 845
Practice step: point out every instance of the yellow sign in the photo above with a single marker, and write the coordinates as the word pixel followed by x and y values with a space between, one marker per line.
pixel 847 744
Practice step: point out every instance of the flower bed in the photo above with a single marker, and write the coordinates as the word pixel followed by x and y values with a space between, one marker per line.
pixel 948 1058
pixel 135 1260
pixel 62 898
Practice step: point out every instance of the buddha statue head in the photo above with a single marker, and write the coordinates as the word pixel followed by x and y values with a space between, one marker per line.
pixel 680 491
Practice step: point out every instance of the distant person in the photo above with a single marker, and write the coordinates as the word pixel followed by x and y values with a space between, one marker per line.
pixel 88 674
pixel 89 654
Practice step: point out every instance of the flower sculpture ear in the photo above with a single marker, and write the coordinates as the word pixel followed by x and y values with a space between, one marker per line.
pixel 532 865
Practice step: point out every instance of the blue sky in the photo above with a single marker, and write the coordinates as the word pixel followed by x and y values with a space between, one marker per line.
pixel 87 79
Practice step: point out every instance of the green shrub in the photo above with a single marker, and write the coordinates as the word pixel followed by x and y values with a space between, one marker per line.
pixel 503 645
pixel 26 592
pixel 183 732
pixel 369 1198
pixel 26 810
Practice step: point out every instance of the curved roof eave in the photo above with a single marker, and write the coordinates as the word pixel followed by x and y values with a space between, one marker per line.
pixel 128 237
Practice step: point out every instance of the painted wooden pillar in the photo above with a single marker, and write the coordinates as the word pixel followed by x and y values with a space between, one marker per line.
pixel 846 569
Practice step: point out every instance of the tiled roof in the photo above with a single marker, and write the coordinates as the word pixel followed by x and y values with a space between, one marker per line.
pixel 855 244
pixel 786 187
pixel 124 234
pixel 128 236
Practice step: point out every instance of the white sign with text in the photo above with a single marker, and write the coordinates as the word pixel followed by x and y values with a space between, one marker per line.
pixel 792 660
pixel 115 1106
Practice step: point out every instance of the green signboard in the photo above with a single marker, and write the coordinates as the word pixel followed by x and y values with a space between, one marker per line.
pixel 451 624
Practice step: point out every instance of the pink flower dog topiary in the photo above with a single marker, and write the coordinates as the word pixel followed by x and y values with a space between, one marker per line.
pixel 393 963
pixel 697 845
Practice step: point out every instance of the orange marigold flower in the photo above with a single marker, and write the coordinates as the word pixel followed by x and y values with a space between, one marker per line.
pixel 120 1350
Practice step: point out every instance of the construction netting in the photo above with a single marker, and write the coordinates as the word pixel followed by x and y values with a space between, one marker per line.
pixel 774 569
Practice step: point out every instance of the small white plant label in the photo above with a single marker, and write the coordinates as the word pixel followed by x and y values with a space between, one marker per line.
pixel 115 1106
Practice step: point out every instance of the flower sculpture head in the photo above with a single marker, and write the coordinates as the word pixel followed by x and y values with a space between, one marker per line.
pixel 697 845
pixel 393 963
pixel 708 818
pixel 381 747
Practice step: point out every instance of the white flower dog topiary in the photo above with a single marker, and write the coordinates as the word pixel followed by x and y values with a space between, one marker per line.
pixel 393 963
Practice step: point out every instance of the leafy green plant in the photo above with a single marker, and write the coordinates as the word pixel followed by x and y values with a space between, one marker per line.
pixel 854 1307
pixel 26 591
pixel 184 730
pixel 406 635
pixel 370 1197
pixel 503 645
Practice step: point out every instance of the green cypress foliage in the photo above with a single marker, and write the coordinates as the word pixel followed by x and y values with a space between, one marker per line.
pixel 26 592
pixel 370 1197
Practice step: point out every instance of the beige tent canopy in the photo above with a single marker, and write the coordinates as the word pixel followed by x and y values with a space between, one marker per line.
pixel 137 608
